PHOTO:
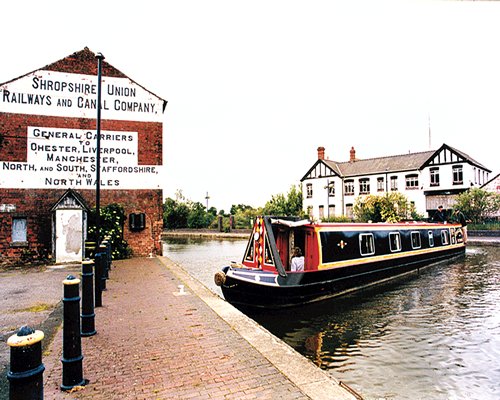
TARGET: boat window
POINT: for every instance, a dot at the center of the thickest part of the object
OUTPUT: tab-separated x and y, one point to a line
415	240
431	239
445	237
395	241
268	255
250	253
366	244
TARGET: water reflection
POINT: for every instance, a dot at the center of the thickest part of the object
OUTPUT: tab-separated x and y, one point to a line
432	335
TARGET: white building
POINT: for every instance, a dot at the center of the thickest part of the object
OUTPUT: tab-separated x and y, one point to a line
427	179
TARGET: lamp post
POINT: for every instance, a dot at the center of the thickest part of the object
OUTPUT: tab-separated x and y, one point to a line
99	57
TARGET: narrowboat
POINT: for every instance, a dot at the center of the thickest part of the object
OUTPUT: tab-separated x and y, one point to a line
338	258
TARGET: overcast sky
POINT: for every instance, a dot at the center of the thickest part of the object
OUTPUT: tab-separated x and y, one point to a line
254	87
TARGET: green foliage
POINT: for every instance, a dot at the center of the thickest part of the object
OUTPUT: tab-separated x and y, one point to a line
112	220
390	207
198	218
175	214
289	205
478	204
341	218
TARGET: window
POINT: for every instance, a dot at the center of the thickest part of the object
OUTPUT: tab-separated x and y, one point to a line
321	211
431	239
364	186
412	182
349	187
309	190
331	210
331	189
366	244
394	183
434	176
380	184
415	240
395	241
445	237
349	212
19	230
458	175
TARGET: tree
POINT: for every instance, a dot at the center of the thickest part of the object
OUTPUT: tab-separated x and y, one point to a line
478	204
175	214
289	205
390	207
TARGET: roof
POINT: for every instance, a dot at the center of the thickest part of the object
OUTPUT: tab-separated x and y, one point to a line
388	164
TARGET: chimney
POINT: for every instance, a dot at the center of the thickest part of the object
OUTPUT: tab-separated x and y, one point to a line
352	157
321	153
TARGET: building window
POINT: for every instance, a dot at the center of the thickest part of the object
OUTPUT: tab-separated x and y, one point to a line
321	212
309	190
394	183
458	175
331	189
364	186
349	212
411	181
331	210
19	230
349	188
434	176
380	184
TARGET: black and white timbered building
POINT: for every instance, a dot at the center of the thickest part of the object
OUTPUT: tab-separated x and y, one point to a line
427	179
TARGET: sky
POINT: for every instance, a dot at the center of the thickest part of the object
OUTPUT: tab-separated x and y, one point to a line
254	88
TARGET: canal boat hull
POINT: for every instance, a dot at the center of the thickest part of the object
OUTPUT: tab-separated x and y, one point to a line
256	283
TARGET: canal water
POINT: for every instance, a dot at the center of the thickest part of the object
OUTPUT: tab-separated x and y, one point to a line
432	335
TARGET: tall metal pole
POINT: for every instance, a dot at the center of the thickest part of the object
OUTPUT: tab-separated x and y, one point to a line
99	57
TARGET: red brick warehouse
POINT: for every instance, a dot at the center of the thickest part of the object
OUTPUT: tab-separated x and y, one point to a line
48	152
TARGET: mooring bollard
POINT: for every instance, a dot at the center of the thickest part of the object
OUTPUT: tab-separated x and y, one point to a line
72	358
26	369
110	251
98	280
88	315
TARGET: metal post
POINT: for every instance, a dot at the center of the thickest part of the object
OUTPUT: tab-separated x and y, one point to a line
88	315
98	279
26	369
99	57
72	358
104	265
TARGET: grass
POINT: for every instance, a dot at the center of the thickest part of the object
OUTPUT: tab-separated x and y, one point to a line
39	307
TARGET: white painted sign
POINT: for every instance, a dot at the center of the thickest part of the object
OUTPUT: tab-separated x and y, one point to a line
74	95
66	158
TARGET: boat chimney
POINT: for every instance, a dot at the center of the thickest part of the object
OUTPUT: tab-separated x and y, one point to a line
352	157
321	153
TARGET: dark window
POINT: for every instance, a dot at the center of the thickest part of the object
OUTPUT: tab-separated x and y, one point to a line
349	187
309	190
395	241
364	186
366	244
380	184
434	176
458	175
415	240
412	181
394	183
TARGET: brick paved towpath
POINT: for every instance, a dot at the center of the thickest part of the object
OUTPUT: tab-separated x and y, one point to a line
155	343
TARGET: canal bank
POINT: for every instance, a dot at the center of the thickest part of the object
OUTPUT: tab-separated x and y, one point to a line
156	340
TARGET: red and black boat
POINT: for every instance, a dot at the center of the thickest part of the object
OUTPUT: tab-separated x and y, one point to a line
338	258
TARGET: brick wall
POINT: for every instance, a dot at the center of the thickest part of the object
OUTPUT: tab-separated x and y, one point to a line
35	204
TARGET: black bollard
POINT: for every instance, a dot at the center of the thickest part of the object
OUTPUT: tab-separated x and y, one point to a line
103	248
110	251
26	369
98	280
72	358
88	315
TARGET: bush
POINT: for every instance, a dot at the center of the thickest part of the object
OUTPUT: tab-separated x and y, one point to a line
112	220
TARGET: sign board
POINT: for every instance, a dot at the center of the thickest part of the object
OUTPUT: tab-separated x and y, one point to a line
74	95
66	158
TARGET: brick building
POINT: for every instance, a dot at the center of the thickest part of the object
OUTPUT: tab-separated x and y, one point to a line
48	151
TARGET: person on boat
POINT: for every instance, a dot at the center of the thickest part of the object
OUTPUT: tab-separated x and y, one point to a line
440	215
297	260
460	218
